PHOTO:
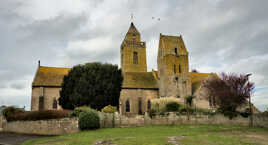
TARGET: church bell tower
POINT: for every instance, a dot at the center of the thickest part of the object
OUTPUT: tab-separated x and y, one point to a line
173	67
133	52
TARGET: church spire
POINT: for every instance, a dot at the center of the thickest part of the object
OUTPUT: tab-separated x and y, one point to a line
133	52
133	34
132	29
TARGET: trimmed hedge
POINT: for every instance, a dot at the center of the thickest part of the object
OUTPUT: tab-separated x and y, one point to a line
38	115
89	120
11	111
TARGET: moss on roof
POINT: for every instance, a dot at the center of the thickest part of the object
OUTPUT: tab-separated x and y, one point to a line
141	80
49	76
197	78
53	76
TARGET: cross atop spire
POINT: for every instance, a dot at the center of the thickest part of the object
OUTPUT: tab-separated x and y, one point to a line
132	17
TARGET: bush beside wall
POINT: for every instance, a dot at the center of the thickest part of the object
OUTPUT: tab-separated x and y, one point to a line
38	115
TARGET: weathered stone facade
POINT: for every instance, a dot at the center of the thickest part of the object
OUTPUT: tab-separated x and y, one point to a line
50	97
172	79
173	67
138	100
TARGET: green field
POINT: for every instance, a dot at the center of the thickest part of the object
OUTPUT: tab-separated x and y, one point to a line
163	135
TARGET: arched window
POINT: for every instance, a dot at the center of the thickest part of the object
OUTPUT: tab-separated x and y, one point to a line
55	104
175	68
41	102
149	105
179	68
135	57
176	51
140	107
127	106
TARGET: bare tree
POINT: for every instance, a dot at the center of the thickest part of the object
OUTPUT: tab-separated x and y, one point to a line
228	92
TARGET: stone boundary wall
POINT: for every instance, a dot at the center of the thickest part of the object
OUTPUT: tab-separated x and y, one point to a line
43	127
1	122
70	125
116	120
173	119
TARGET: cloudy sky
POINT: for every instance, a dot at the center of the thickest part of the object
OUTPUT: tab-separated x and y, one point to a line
229	36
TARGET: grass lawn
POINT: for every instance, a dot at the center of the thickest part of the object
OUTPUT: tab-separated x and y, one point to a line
163	135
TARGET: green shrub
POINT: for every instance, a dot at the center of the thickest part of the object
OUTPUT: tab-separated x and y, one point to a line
172	107
109	109
38	115
185	110
159	104
78	110
228	112
11	111
89	120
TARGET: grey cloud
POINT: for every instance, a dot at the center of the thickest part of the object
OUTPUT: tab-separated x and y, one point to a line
17	86
220	35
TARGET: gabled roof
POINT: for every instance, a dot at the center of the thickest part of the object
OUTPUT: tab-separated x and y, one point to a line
53	77
197	79
49	76
139	80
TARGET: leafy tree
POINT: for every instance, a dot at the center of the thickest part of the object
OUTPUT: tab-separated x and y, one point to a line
93	84
228	92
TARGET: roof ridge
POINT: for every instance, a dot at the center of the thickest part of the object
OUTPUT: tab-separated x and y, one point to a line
55	67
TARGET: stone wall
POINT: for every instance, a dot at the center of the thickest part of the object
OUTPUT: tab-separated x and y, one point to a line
174	119
67	125
1	122
43	127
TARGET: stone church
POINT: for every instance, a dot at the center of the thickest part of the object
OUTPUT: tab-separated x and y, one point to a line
171	79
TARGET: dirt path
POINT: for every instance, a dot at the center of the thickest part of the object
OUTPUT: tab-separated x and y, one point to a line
15	139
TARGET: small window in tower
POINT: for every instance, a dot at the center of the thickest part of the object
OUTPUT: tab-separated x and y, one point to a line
135	58
127	106
41	102
179	68
176	51
174	68
55	104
